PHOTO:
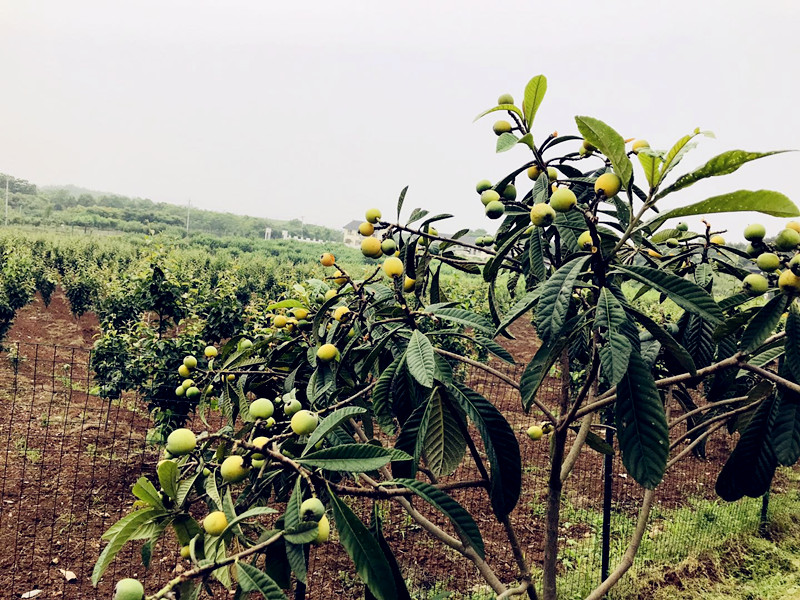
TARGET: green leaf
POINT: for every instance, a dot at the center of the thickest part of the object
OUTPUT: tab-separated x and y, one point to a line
363	549
763	201
252	579
290	303
534	94
302	533
381	397
419	359
723	164
505	107
500	443
641	424
123	534
210	485
443	444
495	349
352	458
686	294
505	142
678	151
650	163
522	306
397	575
463	317
610	143
763	324
112	531
253	512
451	509
786	431
536	255
751	466
168	477
184	487
551	311
332	422
147	492
792	341
400	201
598	444
677	351
611	318
295	554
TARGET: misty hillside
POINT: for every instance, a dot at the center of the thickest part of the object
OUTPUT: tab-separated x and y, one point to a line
70	205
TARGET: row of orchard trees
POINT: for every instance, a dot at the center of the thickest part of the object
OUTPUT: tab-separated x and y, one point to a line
307	401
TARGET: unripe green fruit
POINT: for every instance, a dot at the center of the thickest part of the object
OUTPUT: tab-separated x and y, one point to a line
788	239
608	185
292	407
262	408
563	199
312	510
585	241
682	226
181	441
505	99
323	531
483	185
270	422
193	393
373	215
210	352
789	283
794	264
190	362
244	344
388	247
183	371
186	552
510	193
501	127
755	284
304	422
542	215
327	352
533	172
752	251
233	470
259	442
215	523
673	242
768	261
535	432
187	383
489	196
552	173
587	147
180	391
495	210
755	232
128	589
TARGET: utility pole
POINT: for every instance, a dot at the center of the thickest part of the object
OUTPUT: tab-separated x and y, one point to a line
6	221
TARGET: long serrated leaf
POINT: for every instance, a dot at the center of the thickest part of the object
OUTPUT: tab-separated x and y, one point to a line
678	151
786	431
330	423
381	397
651	164
686	294
364	550
397	574
451	509
112	531
147	492
763	324
610	143
792	341
536	255
122	536
641	424
523	305
763	201
419	358
463	317
400	201
167	472
506	107
505	142
210	485
352	458
722	164
252	579
677	351
495	349
295	554
501	446
610	317
443	444
551	310
534	94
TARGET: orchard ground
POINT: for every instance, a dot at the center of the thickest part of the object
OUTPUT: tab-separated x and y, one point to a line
72	459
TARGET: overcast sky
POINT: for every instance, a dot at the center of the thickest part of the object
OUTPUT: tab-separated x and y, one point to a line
320	109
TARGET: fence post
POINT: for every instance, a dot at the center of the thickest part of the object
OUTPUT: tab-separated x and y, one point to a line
608	475
764	521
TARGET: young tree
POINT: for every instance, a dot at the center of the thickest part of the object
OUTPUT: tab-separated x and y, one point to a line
359	378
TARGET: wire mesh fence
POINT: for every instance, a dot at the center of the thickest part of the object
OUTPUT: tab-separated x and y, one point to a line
69	459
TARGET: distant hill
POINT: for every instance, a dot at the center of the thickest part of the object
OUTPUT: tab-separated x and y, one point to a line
71	205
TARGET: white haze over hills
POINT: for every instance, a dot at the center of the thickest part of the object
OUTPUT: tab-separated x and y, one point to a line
319	110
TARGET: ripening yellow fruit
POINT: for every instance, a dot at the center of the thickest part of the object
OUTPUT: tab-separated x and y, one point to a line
535	432
323	530
300	312
608	185
585	241
215	523
563	199
181	441
552	173
341	313
638	145
717	240
789	283
329	294
371	247
233	470
327	259
533	172
327	352
280	321
210	352
393	266
409	284
542	215
183	371
339	278
366	228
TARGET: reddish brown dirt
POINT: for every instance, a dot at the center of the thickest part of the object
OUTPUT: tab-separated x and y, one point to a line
71	458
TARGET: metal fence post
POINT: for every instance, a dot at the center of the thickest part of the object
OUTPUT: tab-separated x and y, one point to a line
608	474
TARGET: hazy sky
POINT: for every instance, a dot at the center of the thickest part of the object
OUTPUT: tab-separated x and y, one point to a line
320	109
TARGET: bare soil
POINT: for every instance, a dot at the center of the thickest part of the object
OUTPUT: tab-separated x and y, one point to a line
69	460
